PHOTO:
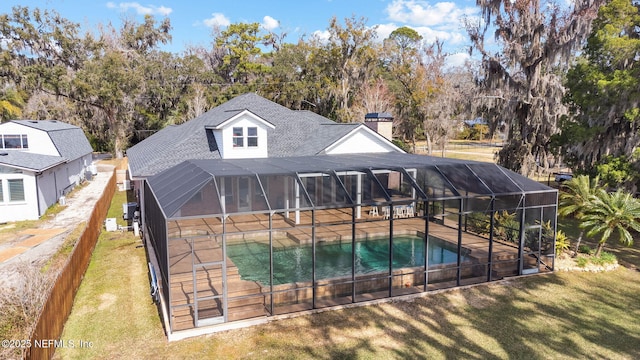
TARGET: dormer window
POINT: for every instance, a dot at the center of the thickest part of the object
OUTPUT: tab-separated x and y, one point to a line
13	142
238	137
252	137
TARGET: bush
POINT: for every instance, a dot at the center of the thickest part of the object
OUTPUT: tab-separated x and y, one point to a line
562	242
402	145
20	306
585	249
604	259
582	261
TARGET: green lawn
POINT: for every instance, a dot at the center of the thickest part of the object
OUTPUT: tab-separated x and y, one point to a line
561	315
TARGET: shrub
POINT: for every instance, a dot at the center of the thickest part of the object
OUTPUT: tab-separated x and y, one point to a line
478	222
21	305
562	242
582	261
604	258
585	249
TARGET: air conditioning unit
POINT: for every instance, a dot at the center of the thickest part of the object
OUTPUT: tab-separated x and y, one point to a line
129	210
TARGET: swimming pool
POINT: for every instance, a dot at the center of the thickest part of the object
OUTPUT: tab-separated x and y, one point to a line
334	259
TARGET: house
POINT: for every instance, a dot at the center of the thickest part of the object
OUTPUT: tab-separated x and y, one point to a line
249	127
40	161
252	212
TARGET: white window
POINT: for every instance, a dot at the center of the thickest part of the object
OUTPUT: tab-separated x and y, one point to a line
16	189
14	142
238	137
252	137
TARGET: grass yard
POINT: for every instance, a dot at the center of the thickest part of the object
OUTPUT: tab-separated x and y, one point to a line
560	315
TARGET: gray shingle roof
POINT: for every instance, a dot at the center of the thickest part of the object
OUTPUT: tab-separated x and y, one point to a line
46	125
296	133
69	140
27	160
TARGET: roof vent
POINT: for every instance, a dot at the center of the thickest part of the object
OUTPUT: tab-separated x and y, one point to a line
4	153
53	121
33	121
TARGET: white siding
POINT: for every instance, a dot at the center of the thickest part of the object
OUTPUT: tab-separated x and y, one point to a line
224	138
47	192
19	210
362	140
39	141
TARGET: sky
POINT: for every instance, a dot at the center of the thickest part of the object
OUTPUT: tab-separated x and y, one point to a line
193	21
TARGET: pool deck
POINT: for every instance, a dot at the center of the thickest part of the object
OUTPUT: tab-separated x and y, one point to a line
248	299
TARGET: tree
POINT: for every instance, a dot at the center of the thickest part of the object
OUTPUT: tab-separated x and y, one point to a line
450	104
537	41
578	197
241	54
109	86
612	212
11	103
347	60
604	96
409	81
294	76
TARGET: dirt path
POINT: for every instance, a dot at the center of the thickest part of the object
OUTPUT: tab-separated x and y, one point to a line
35	246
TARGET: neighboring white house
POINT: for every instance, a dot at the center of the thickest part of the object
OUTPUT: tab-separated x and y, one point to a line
40	161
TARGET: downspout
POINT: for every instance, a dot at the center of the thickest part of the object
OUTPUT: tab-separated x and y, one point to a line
38	194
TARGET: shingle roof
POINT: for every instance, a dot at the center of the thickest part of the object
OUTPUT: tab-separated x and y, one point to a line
27	160
69	140
46	125
291	136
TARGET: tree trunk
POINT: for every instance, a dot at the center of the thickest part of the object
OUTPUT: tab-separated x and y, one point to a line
578	243
599	249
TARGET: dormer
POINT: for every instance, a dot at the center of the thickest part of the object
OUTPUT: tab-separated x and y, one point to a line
242	136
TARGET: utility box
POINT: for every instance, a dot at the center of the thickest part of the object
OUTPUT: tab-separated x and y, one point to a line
110	224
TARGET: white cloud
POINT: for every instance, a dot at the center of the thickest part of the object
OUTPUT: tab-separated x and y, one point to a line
322	35
270	23
428	34
141	10
384	30
423	13
457	59
217	19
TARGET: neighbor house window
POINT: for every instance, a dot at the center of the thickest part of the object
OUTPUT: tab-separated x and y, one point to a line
252	137
238	137
14	142
16	189
1	194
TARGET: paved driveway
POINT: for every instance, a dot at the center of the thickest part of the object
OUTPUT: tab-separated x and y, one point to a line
35	246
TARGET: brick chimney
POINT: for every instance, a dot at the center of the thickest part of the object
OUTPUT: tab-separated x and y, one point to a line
382	123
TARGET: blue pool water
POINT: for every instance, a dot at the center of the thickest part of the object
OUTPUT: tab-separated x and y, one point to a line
293	264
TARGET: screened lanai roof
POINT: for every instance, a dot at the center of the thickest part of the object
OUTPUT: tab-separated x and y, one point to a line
431	178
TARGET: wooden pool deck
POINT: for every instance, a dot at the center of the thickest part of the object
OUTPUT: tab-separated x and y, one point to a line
198	241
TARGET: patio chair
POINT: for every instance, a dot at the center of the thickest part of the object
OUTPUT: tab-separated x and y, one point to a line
385	212
374	211
409	212
398	212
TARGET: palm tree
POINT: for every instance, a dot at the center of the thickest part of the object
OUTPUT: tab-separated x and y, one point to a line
579	196
612	212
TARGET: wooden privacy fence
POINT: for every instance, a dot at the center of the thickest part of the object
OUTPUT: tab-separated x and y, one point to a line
45	336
